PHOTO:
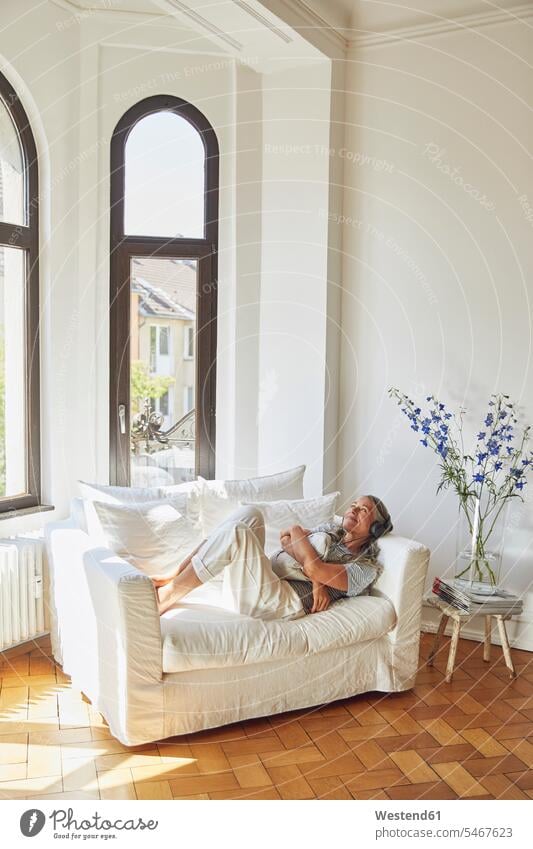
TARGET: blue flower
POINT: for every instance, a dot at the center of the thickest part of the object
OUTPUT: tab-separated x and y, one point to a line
489	420
481	458
418	411
479	477
520	484
481	435
424	442
498	465
503	415
447	415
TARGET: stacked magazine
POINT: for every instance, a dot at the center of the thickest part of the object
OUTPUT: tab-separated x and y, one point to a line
477	597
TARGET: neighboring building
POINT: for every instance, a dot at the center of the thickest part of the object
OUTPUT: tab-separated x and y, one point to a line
163	300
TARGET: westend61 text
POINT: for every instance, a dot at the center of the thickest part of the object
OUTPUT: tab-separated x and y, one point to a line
407	815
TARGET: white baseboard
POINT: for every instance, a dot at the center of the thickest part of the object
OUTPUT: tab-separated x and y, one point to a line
519	628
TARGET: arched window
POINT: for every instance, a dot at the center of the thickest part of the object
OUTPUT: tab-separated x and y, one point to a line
20	465
163	290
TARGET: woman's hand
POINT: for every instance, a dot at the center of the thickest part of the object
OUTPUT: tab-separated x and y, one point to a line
285	541
321	599
302	550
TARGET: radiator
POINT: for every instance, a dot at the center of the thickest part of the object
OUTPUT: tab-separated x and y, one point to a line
23	613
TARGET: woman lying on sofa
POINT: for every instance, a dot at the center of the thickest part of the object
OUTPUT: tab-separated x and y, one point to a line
346	565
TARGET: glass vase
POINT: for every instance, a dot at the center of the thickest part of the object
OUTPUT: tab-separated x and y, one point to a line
480	541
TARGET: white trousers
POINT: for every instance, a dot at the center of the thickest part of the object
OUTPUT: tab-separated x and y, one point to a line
249	586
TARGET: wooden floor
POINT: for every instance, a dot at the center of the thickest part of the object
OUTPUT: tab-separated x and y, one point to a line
472	738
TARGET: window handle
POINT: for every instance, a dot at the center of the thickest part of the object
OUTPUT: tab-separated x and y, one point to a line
122	417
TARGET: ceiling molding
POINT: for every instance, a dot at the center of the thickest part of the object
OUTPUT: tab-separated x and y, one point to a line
301	17
295	14
264	21
419	31
202	22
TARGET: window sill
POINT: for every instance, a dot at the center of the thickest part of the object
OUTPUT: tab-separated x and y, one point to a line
26	511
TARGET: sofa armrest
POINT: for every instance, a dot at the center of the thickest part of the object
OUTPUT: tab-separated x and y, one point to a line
405	564
108	632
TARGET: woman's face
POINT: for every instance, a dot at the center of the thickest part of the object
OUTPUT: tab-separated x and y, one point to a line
359	517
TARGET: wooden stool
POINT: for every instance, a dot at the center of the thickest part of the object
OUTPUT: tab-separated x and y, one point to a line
459	617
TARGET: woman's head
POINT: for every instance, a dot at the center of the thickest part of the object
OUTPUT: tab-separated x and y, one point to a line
367	517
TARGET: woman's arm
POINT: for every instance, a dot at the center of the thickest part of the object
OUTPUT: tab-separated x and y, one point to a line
354	579
331	574
317	570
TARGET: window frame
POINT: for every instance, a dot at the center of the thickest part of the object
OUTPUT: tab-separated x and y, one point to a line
123	248
26	237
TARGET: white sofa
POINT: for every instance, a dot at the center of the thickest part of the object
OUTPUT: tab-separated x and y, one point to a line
200	666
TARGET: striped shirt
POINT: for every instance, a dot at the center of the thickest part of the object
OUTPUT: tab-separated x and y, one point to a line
361	569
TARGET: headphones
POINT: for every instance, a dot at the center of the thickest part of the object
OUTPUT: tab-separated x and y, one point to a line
377	529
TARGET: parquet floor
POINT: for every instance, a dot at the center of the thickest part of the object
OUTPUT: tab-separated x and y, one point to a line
472	738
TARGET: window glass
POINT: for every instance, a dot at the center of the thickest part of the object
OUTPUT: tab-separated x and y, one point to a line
164	336
11	171
12	373
162	289
164	178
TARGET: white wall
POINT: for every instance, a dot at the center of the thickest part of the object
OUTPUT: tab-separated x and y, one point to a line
49	92
296	171
438	263
77	80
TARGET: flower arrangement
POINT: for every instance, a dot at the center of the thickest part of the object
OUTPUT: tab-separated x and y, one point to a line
484	480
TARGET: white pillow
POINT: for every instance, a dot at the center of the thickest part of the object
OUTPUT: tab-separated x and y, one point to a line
279	515
152	535
222	497
116	494
193	492
187	494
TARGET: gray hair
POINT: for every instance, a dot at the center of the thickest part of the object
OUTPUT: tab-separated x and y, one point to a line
382	514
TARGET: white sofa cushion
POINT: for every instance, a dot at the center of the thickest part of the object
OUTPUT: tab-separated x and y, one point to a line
222	497
307	512
154	536
200	634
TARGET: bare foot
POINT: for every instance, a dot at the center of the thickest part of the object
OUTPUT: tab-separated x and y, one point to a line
170	593
161	580
165	597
